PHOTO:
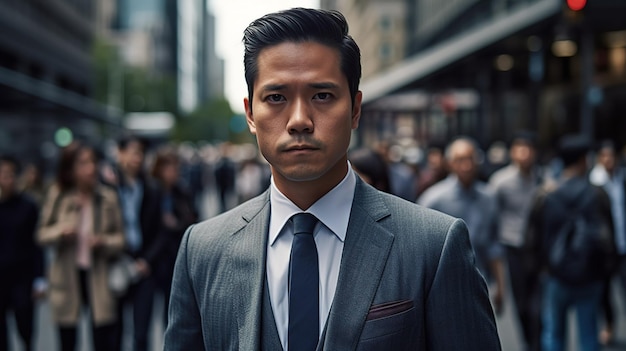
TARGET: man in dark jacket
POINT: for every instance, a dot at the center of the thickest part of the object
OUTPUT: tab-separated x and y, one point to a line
556	220
21	261
141	211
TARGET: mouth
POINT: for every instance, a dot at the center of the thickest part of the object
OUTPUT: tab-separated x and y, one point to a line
300	148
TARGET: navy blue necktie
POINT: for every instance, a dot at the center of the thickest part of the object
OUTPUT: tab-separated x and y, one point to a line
303	286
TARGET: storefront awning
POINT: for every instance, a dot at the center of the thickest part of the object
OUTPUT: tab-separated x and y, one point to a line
446	53
61	97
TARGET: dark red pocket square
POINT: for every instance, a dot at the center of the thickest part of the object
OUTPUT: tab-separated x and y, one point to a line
389	309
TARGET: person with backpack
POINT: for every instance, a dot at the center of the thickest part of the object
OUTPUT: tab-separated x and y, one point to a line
572	230
608	174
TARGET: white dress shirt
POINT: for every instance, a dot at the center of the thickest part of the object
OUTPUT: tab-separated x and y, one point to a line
333	213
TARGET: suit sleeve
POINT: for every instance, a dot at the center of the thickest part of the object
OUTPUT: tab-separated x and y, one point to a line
184	328
458	312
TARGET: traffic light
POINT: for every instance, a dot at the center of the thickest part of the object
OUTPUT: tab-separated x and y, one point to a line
576	5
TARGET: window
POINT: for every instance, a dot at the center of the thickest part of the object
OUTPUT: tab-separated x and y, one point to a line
386	51
386	23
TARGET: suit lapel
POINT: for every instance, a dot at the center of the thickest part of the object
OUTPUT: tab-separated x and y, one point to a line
248	252
365	253
270	340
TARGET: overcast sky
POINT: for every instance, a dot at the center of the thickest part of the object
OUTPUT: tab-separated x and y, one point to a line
232	17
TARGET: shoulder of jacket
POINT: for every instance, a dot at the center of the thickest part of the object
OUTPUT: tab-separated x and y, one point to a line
107	192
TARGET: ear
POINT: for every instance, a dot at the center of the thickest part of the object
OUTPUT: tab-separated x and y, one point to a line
247	104
356	109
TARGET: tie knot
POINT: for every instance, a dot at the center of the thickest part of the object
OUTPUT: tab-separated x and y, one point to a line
304	223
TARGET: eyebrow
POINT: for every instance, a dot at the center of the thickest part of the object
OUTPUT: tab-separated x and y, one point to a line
324	85
321	85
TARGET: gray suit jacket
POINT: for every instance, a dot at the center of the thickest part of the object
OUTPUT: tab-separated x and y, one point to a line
407	282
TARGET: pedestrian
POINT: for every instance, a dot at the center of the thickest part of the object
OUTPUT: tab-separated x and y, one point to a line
21	260
607	174
32	183
225	175
321	259
402	177
81	223
573	233
435	171
178	213
144	238
514	187
462	195
250	180
371	167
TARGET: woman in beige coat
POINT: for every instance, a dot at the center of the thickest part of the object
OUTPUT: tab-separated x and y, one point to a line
81	223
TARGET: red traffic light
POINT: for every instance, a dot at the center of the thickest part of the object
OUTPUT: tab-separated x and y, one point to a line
576	5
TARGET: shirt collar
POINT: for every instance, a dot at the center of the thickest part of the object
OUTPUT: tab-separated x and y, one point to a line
332	210
460	189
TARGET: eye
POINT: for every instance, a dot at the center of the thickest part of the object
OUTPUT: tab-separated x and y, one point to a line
273	98
322	96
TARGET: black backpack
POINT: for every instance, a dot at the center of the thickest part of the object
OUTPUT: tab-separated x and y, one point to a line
583	249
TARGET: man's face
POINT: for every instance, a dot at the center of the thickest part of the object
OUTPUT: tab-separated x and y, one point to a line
131	157
302	113
8	178
436	160
523	154
606	157
463	162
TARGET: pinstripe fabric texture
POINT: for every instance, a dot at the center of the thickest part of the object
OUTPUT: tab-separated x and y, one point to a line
395	251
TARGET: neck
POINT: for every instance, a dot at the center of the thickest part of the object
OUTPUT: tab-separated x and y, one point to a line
466	186
525	171
305	193
167	186
85	190
573	172
5	194
129	176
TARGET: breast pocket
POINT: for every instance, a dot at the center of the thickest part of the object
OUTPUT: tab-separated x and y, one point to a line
391	326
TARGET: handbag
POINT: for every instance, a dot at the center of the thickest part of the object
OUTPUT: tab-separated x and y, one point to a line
122	274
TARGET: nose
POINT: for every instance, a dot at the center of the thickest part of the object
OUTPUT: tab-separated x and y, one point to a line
300	120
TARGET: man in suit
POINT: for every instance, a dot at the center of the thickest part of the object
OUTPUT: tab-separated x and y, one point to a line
321	260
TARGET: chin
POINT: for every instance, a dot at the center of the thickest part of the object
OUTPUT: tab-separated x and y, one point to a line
301	173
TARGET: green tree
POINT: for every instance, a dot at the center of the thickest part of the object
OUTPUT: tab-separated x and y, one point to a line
211	122
132	89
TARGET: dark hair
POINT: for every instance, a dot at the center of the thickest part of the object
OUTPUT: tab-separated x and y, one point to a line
123	142
371	164
524	137
164	157
65	167
606	144
573	148
12	161
298	25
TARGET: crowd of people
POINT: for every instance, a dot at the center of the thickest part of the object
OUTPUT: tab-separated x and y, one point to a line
92	215
557	229
60	241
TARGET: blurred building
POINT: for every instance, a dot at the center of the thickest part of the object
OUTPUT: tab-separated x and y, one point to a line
146	35
175	38
200	71
46	78
489	67
379	27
